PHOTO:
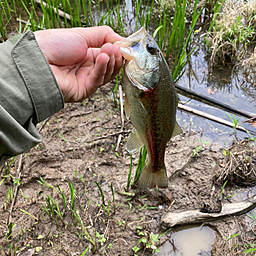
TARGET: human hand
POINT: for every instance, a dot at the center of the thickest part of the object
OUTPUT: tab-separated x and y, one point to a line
78	64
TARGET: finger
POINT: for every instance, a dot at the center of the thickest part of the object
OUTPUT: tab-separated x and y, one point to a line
97	75
109	49
118	61
97	36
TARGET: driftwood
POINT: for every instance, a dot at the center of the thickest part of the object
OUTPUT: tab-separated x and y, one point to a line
213	118
195	216
60	12
207	100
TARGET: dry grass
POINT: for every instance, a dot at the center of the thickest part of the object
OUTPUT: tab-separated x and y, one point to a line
240	166
234	28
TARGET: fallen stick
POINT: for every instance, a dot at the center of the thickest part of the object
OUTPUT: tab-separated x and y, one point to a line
122	115
207	100
249	120
109	135
195	216
213	118
60	12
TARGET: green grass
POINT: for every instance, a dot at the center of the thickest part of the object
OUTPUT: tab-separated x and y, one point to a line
230	31
65	206
251	247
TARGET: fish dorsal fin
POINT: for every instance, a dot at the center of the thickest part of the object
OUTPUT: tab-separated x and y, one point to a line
134	142
177	130
127	108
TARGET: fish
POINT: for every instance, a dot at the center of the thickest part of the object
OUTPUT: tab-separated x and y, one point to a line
150	103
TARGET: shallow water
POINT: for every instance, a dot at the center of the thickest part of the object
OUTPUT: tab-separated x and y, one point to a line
189	241
223	84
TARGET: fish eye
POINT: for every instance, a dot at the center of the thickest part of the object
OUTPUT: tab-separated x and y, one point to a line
151	48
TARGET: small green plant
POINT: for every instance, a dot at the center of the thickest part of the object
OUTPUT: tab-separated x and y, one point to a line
222	188
101	238
234	122
107	207
31	215
9	233
141	164
251	248
197	150
147	241
56	211
10	252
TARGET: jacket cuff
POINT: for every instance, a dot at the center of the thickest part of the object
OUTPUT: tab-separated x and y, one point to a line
41	84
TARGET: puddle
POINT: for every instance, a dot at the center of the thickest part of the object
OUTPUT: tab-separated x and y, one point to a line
189	242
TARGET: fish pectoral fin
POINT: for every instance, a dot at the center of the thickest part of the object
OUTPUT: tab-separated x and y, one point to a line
127	108
177	130
134	143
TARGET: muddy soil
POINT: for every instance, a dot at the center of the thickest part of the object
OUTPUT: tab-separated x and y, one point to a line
80	147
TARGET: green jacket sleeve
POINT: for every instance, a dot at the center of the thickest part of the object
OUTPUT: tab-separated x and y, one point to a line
28	94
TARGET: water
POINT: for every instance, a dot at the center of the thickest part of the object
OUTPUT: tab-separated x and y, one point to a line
191	241
223	84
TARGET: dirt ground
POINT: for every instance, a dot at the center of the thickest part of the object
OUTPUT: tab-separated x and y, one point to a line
79	147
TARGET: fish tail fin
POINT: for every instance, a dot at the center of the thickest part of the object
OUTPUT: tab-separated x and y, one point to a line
151	179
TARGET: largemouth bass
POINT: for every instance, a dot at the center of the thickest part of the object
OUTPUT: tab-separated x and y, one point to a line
150	103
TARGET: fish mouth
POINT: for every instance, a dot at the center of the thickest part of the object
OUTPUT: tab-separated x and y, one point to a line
127	44
127	47
127	51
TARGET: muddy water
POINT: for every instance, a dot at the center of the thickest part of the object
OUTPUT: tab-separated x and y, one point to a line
189	241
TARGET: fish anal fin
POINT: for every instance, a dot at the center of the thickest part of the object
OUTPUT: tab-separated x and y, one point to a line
150	179
134	143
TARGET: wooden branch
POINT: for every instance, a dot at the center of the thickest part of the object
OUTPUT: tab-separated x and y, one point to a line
249	120
109	135
121	104
195	216
207	100
61	13
213	118
122	115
